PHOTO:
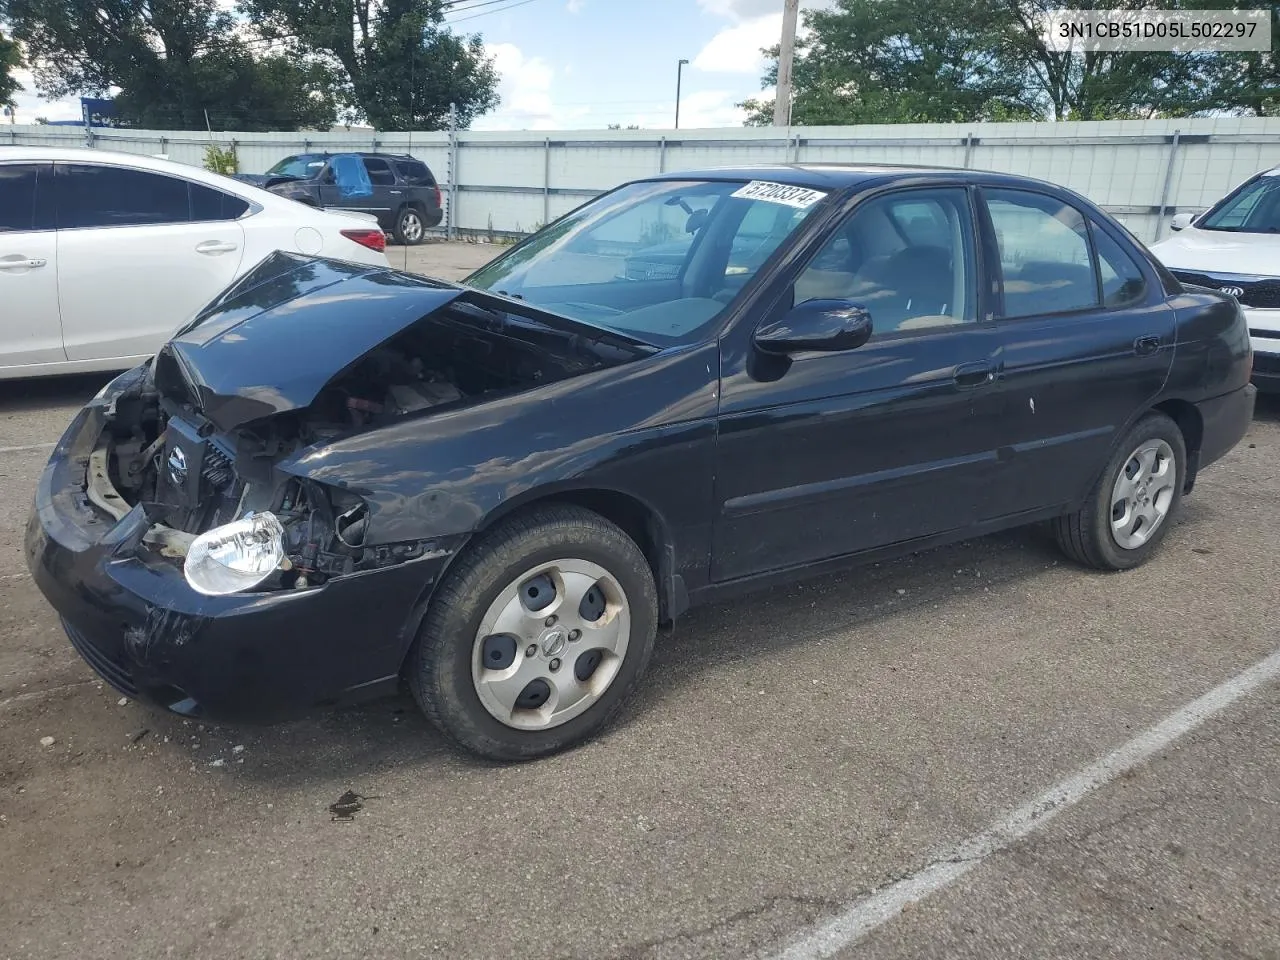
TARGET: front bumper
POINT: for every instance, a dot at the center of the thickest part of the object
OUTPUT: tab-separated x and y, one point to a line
252	656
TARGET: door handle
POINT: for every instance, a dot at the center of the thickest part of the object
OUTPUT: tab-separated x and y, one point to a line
971	375
1146	346
23	264
213	248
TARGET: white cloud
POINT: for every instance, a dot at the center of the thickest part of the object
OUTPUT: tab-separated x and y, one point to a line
573	6
740	9
524	85
737	49
30	105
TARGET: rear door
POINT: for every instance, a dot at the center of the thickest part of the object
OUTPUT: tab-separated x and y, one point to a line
1087	342
30	328
139	253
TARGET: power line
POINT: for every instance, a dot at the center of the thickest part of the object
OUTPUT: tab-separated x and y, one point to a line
518	3
456	6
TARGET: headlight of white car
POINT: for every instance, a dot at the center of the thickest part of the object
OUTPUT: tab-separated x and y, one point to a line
235	556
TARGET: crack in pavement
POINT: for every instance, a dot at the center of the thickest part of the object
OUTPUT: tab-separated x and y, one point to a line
639	950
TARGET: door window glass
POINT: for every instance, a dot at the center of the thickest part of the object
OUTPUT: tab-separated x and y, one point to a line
1122	280
1044	254
906	257
380	172
209	204
18	189
100	196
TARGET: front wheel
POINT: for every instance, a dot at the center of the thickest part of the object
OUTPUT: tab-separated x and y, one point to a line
537	636
411	229
1131	506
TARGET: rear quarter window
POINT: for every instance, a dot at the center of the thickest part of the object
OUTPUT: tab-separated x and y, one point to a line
415	172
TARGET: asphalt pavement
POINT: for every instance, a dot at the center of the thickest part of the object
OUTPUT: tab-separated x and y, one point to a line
789	755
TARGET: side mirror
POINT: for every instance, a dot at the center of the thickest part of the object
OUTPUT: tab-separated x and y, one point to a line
824	326
1181	221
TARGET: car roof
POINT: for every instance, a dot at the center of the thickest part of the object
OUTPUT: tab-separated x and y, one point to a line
139	161
838	176
355	153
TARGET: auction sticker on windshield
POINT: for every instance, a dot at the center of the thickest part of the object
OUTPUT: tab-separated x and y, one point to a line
799	197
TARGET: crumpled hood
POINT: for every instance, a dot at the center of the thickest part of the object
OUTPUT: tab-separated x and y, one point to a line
1221	251
272	341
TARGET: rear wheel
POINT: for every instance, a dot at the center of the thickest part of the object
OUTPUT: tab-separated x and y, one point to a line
537	636
1131	506
411	228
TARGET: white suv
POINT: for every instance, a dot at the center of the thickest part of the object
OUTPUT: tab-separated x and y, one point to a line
104	255
1235	247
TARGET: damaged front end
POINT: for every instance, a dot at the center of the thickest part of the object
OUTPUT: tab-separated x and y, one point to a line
191	562
200	439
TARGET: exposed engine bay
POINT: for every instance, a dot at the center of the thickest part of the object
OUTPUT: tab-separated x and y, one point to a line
161	451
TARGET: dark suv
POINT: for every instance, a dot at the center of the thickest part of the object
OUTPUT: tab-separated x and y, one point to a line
399	190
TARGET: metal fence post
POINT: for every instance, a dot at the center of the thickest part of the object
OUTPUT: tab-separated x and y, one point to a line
546	181
662	155
1168	183
451	218
968	148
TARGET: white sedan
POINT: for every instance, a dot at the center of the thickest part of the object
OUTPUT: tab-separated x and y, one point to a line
104	255
1235	247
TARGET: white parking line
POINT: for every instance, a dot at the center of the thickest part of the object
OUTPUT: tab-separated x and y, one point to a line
864	916
28	446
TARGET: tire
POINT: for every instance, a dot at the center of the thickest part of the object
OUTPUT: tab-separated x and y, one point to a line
411	226
1090	537
447	666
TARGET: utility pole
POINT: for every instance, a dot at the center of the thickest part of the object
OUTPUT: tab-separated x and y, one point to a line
679	70
786	55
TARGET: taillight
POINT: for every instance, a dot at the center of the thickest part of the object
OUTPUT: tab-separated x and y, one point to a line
439	197
373	239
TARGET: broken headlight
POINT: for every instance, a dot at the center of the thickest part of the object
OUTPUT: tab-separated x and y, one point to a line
235	556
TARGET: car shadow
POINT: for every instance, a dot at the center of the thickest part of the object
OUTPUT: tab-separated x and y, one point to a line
1267	408
359	744
38	393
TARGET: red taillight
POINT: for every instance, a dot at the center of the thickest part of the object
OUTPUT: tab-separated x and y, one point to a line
373	239
439	197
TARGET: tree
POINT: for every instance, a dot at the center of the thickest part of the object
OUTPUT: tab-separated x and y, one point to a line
174	62
402	66
889	61
10	60
902	61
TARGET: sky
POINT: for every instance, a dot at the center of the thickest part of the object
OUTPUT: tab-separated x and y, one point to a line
584	64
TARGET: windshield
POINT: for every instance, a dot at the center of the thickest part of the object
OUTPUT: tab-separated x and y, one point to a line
656	261
1254	208
304	167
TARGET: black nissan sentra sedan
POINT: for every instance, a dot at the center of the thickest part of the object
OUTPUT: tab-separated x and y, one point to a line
336	478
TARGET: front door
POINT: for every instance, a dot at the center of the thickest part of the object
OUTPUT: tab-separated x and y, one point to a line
30	327
132	264
1088	341
838	453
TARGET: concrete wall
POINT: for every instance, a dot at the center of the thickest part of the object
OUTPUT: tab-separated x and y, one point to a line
1142	171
